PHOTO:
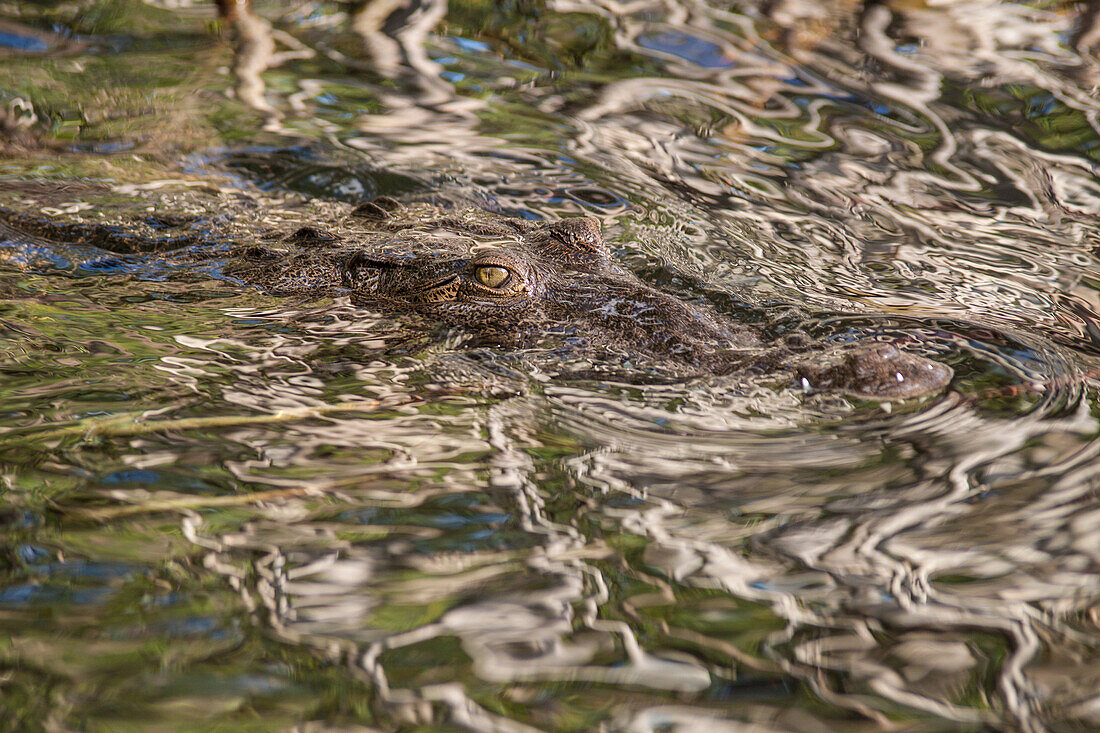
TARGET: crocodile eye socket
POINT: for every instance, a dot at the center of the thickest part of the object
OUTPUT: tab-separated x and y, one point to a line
492	276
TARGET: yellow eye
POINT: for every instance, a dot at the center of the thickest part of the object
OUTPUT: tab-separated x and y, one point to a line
491	276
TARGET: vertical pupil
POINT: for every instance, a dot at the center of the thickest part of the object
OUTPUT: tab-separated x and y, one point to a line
492	276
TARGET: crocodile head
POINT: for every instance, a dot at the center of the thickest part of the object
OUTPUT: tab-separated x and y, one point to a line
509	280
514	282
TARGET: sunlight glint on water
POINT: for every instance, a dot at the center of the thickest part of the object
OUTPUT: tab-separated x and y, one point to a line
223	508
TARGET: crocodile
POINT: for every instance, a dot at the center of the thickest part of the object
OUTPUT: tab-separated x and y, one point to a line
510	282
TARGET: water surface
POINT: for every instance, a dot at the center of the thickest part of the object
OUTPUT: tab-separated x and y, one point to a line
226	509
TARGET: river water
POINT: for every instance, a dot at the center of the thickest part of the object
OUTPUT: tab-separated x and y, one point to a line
224	510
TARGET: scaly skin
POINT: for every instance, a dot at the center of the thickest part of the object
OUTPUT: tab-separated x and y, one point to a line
511	281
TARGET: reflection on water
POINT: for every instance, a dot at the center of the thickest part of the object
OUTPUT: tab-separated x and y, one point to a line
222	508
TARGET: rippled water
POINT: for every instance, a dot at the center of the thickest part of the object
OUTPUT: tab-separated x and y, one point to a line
226	509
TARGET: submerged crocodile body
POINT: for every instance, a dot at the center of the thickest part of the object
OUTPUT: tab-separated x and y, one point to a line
510	281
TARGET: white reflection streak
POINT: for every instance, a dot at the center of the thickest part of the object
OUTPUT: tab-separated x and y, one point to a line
643	669
875	552
910	584
874	41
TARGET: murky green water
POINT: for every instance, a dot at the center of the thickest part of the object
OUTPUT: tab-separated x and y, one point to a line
225	510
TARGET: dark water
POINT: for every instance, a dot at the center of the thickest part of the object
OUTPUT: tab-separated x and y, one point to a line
225	510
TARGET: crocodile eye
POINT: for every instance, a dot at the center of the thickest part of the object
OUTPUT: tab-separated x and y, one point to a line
492	276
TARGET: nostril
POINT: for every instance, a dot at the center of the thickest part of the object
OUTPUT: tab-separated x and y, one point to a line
312	236
370	211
